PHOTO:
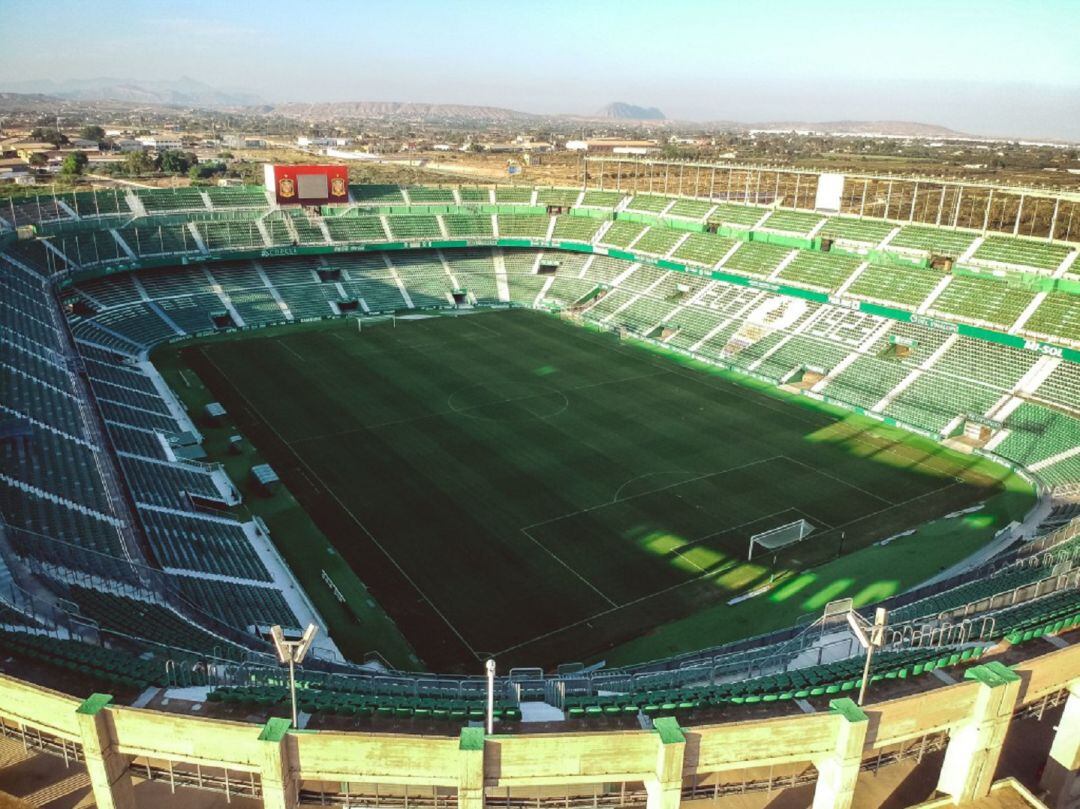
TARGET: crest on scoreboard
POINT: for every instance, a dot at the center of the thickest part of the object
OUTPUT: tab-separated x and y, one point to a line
287	187
337	187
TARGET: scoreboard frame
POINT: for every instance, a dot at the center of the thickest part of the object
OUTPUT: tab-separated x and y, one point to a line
286	182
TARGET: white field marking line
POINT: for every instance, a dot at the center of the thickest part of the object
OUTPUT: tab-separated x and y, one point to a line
790	410
400	347
839	480
733	389
291	350
559	559
464	411
349	511
588	509
811	519
618	491
695	542
458	411
712	573
783	408
896	505
886	446
481	326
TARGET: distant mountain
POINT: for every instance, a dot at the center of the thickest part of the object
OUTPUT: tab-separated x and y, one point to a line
394	110
182	92
28	102
629	112
96	96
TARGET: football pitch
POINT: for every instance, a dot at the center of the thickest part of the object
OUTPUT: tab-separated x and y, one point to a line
510	484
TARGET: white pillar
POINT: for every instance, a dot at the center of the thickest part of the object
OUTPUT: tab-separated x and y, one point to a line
839	770
975	743
1061	778
470	793
108	768
275	771
664	791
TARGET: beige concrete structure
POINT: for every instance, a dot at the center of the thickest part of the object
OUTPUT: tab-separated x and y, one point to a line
1061	779
276	761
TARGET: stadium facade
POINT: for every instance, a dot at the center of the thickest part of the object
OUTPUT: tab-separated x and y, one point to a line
948	309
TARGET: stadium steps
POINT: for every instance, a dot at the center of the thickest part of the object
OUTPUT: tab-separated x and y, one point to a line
502	284
135	203
851	279
123	245
935	293
197	238
397	279
268	240
273	291
910	379
223	296
1025	316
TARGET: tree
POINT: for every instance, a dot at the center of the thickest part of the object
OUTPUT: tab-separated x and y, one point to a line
38	159
92	132
204	171
174	162
139	163
74	164
48	134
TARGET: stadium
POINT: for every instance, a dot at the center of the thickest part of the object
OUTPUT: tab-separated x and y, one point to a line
662	445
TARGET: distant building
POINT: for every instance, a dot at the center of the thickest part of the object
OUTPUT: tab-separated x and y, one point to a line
305	142
613	146
13	168
517	146
25	149
129	145
341	154
162	143
244	142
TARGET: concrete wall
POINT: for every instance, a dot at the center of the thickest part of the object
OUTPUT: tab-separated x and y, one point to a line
975	713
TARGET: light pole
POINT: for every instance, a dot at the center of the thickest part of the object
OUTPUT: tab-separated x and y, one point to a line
868	641
292	652
489	666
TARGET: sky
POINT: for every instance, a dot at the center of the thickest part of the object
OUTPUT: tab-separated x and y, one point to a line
993	67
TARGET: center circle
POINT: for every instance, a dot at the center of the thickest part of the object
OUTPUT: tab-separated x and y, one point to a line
507	400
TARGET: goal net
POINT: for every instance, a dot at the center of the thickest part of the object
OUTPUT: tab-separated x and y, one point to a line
780	537
374	320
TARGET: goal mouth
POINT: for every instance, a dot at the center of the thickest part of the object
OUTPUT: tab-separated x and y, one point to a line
782	536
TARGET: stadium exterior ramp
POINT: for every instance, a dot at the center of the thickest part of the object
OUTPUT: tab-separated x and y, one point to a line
658	768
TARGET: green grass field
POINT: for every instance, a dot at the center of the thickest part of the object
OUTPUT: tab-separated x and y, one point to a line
510	484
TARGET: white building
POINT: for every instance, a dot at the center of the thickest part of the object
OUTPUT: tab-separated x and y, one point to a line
162	143
305	142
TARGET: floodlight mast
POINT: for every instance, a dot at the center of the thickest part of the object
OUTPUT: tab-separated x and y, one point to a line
872	641
489	666
293	652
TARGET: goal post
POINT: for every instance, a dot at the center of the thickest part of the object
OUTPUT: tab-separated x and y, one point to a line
780	537
372	320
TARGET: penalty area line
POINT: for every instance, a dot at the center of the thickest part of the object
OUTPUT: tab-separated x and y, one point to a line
559	559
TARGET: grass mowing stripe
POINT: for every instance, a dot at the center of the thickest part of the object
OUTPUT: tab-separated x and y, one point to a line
440	493
356	520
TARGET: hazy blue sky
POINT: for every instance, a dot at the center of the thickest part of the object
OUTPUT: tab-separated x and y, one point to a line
993	66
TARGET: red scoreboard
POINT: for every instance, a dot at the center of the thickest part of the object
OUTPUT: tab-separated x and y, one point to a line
307	185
